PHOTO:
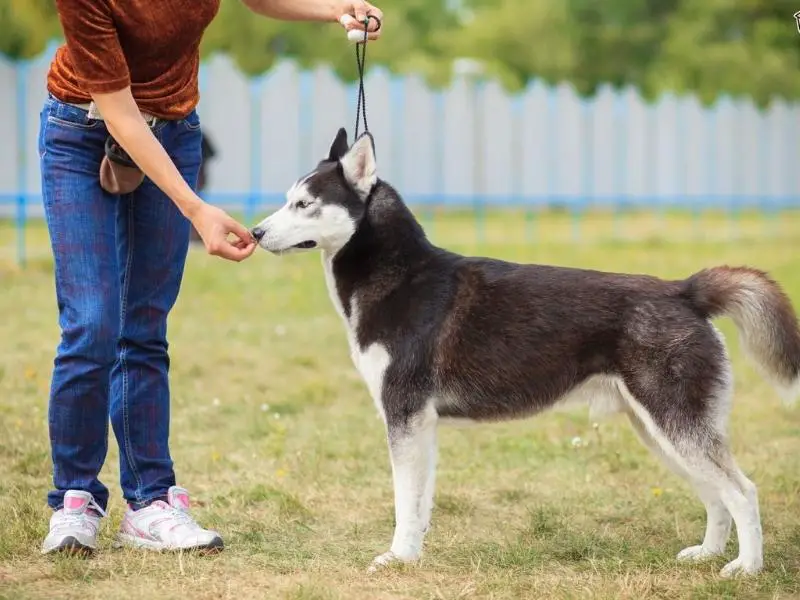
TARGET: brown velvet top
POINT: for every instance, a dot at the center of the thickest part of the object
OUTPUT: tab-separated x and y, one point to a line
150	45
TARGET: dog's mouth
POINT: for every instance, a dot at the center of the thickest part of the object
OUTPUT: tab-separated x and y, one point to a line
305	245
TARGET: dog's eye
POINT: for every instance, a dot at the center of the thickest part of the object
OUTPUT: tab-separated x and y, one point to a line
301	204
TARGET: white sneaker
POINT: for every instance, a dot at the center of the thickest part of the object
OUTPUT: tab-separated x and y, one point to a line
74	527
166	526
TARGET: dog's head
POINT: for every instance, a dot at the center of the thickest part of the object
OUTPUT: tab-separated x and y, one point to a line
323	209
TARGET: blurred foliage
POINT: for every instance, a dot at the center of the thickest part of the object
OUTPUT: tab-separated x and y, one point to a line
707	47
26	26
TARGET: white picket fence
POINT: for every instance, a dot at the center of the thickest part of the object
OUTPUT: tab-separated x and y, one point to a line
470	143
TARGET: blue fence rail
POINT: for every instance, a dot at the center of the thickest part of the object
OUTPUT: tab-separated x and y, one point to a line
469	145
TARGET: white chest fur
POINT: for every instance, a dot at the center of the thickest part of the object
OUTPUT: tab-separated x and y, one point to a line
371	361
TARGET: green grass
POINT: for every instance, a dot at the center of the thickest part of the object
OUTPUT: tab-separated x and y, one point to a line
276	437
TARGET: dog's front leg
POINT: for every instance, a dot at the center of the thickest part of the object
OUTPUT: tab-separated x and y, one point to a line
426	505
412	448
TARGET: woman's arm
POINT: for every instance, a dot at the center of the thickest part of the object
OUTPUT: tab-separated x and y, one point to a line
301	10
320	10
126	125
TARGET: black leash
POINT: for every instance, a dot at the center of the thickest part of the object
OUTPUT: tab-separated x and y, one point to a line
361	108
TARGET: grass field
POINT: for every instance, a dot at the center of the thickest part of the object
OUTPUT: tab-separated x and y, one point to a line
274	434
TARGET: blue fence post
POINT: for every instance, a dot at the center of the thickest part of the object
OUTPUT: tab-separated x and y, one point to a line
787	151
653	150
397	96
773	201
552	146
479	161
680	149
620	162
438	175
253	196
305	118
793	157
711	166
518	168
22	69
738	172
763	165
587	171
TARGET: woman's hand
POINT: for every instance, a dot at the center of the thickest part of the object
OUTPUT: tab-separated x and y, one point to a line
353	13
214	225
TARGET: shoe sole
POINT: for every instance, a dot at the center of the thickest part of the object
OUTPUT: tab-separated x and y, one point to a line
70	545
128	541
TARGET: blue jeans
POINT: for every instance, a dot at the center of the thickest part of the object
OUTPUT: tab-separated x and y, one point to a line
118	264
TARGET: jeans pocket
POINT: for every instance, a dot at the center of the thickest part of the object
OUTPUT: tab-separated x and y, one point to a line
191	122
71	116
68	115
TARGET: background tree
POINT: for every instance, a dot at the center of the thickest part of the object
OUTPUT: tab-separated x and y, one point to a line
26	26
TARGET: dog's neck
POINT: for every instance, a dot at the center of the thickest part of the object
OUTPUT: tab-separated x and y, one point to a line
388	244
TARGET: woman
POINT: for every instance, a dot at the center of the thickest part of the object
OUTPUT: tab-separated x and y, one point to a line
123	91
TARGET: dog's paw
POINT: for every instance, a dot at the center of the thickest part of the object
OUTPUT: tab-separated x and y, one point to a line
388	558
740	568
381	561
696	554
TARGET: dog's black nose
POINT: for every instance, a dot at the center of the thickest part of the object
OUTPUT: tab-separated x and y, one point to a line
257	233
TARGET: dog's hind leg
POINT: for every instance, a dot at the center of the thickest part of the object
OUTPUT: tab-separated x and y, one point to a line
700	453
718	519
412	447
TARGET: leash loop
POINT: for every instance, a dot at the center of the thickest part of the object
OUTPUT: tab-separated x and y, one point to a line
361	107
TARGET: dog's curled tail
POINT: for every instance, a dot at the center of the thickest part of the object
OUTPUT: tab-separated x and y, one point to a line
763	314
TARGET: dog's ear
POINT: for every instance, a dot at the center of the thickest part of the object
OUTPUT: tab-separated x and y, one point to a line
339	145
359	167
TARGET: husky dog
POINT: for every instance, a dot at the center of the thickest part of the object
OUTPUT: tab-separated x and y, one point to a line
436	335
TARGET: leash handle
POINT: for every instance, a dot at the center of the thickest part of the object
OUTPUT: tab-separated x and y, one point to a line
361	107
